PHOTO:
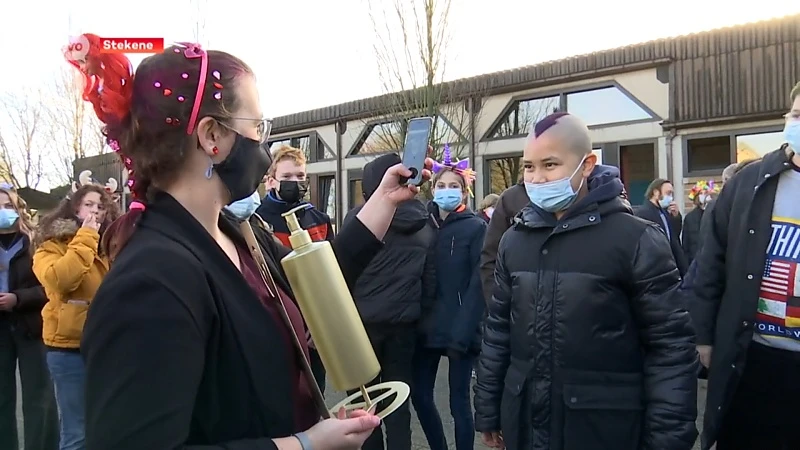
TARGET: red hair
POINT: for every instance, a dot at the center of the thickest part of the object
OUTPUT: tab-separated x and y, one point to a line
146	113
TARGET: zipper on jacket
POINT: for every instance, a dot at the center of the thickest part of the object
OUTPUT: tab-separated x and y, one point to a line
435	223
452	244
459	299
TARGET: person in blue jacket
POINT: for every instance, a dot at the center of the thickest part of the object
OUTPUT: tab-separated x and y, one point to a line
450	326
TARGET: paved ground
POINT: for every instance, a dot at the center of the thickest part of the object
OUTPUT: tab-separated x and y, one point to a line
418	437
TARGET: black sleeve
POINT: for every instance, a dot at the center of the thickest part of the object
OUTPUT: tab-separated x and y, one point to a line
689	237
677	253
355	246
670	367
144	349
29	292
705	225
710	281
467	320
498	225
676	223
429	276
495	354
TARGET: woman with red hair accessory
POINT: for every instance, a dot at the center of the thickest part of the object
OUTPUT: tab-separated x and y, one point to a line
185	345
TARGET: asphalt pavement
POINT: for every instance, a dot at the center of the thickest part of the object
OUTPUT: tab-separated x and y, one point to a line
418	438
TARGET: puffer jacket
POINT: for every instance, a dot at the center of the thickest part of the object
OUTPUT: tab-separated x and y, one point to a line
70	270
587	344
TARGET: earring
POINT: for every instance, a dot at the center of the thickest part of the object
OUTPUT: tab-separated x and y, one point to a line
215	150
210	168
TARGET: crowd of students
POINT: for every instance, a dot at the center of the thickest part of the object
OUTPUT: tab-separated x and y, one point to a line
162	328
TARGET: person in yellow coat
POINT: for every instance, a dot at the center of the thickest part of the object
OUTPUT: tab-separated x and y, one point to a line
70	267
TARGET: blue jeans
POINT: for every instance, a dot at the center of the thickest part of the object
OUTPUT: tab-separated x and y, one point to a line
69	376
426	366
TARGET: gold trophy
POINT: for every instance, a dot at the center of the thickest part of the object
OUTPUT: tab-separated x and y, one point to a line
334	322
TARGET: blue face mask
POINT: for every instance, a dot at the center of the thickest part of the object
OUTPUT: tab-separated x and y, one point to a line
554	196
8	217
245	207
447	199
791	133
664	202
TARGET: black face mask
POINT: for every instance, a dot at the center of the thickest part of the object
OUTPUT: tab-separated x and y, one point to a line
292	191
242	170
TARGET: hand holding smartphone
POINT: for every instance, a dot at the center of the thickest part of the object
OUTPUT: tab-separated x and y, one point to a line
416	148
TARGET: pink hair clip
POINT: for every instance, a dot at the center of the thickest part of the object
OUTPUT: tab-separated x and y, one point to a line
137	205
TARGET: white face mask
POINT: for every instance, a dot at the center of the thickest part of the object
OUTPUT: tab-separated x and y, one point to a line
489	211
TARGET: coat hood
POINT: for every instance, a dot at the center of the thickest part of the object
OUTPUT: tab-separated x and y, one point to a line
410	217
59	230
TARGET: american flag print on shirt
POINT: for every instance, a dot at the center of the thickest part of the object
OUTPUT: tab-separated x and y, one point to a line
778	314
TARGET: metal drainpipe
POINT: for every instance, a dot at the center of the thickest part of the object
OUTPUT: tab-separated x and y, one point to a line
338	179
673	133
472	146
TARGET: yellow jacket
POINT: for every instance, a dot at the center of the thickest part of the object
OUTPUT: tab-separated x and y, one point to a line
70	270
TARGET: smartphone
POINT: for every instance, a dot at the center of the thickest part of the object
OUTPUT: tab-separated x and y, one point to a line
416	147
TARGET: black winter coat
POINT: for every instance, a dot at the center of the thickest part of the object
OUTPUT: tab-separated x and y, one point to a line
180	352
729	272
401	278
651	212
27	314
587	345
691	238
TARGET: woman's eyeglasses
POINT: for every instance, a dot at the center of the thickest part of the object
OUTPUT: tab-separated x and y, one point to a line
264	127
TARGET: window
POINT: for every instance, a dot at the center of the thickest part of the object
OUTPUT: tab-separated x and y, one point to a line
326	199
356	193
754	146
390	136
504	173
301	142
599	153
443	133
382	138
712	154
323	151
605	106
524	114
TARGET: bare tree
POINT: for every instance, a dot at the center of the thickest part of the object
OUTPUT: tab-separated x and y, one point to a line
77	133
412	38
199	9
25	134
506	172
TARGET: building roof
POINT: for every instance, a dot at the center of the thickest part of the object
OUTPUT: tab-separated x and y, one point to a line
703	45
39	200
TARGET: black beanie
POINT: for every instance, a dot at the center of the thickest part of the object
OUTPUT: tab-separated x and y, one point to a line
374	172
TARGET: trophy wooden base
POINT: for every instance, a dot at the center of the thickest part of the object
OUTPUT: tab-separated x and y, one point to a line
361	400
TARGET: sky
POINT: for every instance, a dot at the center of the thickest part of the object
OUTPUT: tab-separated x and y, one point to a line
308	54
313	53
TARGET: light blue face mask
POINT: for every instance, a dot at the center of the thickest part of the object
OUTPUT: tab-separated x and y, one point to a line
791	133
245	207
8	217
447	199
664	202
554	196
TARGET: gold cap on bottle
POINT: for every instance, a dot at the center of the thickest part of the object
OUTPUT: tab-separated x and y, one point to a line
298	237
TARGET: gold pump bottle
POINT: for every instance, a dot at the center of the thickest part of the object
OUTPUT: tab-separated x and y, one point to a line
328	308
